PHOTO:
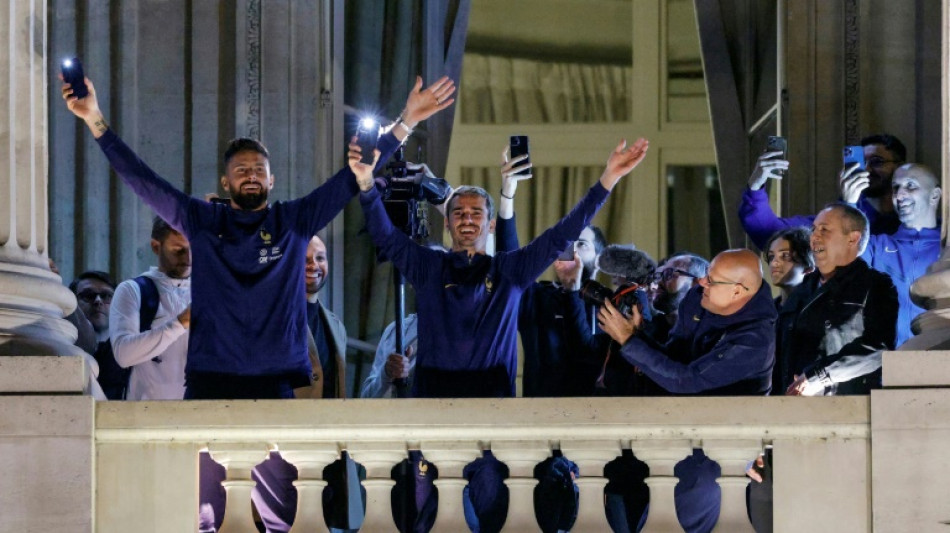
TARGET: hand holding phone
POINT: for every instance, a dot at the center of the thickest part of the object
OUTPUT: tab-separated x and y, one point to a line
854	178
74	76
777	144
770	165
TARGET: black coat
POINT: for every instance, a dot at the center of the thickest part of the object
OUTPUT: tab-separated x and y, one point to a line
830	330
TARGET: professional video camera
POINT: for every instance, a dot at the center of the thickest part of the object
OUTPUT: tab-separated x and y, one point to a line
624	298
406	190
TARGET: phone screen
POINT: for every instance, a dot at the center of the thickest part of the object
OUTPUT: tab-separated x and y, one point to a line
367	135
518	146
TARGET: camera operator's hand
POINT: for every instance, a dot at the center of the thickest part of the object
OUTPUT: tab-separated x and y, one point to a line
851	183
423	103
768	166
362	171
86	108
623	160
619	327
568	273
397	365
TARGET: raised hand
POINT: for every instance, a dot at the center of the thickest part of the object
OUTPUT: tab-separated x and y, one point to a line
769	165
362	171
423	103
623	160
851	183
86	108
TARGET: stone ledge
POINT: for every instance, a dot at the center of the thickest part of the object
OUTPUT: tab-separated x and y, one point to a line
44	375
916	369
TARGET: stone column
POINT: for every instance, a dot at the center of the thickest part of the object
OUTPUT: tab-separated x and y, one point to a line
450	457
521	458
378	458
33	300
310	460
661	456
238	459
733	456
932	292
591	456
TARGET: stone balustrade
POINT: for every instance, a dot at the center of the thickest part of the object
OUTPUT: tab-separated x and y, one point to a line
146	450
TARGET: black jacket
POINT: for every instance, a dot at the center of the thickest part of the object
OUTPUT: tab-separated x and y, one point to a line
829	331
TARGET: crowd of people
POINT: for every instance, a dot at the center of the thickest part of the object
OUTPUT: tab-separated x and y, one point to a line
231	311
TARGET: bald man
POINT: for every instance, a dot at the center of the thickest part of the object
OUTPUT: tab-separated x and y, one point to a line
723	342
906	254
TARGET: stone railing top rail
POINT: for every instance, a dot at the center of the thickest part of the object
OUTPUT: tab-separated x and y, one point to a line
485	420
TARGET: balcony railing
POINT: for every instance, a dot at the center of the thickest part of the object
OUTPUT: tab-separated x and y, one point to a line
72	464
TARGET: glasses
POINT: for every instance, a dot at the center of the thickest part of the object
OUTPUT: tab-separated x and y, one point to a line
90	296
709	281
878	162
668	274
785	257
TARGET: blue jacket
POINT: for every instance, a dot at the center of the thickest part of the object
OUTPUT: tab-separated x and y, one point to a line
759	221
248	314
712	354
904	256
468	306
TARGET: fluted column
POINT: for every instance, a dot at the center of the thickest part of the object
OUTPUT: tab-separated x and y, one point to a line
521	458
33	300
450	457
378	458
661	456
591	456
238	459
733	456
310	460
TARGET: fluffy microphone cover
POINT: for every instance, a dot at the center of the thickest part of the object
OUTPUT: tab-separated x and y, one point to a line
627	262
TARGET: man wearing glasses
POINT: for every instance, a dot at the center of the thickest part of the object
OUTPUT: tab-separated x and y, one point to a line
723	342
94	290
869	190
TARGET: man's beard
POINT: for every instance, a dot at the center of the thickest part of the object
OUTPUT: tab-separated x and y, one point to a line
250	201
314	288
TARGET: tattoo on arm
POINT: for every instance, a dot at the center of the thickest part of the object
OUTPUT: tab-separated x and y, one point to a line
100	125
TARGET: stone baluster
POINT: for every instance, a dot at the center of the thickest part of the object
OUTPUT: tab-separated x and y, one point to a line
932	292
310	460
521	458
450	458
238	459
378	458
661	456
733	456
591	456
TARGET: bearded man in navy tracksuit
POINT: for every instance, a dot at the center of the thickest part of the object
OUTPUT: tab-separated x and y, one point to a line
248	319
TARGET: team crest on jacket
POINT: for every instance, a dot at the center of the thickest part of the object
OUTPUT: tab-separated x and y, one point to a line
488	283
265	237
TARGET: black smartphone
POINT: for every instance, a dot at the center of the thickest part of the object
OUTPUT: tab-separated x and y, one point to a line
777	144
568	253
73	75
854	154
366	137
518	146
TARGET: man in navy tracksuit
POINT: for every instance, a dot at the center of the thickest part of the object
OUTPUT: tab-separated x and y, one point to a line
467	302
906	254
248	317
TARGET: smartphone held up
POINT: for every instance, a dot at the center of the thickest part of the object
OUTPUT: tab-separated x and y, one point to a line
518	146
74	76
777	144
852	155
367	135
568	253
